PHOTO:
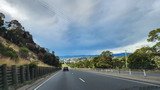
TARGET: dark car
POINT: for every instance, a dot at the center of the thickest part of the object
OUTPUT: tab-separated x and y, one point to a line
65	69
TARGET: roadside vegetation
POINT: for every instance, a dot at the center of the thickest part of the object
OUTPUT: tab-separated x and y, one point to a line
143	58
7	52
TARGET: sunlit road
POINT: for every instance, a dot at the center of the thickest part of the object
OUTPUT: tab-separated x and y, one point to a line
80	80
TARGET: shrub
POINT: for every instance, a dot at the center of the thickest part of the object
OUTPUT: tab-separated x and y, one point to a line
24	52
8	52
33	65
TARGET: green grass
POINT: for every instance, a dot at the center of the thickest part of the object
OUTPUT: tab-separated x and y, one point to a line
8	52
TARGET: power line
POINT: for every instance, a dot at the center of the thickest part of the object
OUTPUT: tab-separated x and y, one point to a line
54	10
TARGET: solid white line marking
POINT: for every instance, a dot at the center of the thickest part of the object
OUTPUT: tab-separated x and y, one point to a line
131	80
45	81
142	82
81	79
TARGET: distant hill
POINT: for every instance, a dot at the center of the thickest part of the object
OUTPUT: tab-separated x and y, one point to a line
82	56
77	56
120	54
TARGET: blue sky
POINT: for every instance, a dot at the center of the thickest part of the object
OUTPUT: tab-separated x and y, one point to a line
81	27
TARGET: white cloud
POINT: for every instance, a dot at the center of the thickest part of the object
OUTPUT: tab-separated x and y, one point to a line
12	11
129	48
74	10
74	26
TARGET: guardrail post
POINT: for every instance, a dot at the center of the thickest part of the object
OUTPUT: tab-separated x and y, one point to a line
31	73
27	73
111	70
40	71
4	76
46	70
36	72
22	75
14	75
130	72
43	70
32	70
144	73
119	71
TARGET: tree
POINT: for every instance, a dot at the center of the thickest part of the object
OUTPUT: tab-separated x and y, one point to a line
2	16
48	58
154	36
51	59
2	29
95	61
118	63
14	24
56	62
106	54
142	59
103	64
104	60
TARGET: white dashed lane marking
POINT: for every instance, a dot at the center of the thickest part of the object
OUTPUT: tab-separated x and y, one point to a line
81	79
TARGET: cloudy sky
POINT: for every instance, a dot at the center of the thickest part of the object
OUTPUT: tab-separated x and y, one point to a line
76	27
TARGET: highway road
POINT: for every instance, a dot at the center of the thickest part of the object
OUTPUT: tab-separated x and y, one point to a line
81	80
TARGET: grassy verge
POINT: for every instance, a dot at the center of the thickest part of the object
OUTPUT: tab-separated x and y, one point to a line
20	61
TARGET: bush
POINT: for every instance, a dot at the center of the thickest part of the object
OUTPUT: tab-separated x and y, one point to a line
11	54
24	52
8	52
33	65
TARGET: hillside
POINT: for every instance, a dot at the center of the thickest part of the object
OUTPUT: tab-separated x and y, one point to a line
18	44
32	58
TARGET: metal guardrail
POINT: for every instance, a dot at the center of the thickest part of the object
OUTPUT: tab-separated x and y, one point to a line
141	72
129	72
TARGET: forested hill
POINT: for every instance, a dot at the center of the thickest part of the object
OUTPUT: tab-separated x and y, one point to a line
14	32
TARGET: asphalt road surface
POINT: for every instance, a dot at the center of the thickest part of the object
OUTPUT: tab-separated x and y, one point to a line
81	80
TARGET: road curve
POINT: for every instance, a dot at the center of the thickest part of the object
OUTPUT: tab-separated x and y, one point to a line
80	80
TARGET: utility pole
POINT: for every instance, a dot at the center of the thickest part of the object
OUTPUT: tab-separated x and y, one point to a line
126	59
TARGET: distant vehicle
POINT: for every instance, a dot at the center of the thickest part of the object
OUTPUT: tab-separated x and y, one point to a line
65	69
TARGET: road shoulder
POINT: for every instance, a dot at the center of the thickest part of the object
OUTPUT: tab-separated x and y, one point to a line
36	83
127	77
